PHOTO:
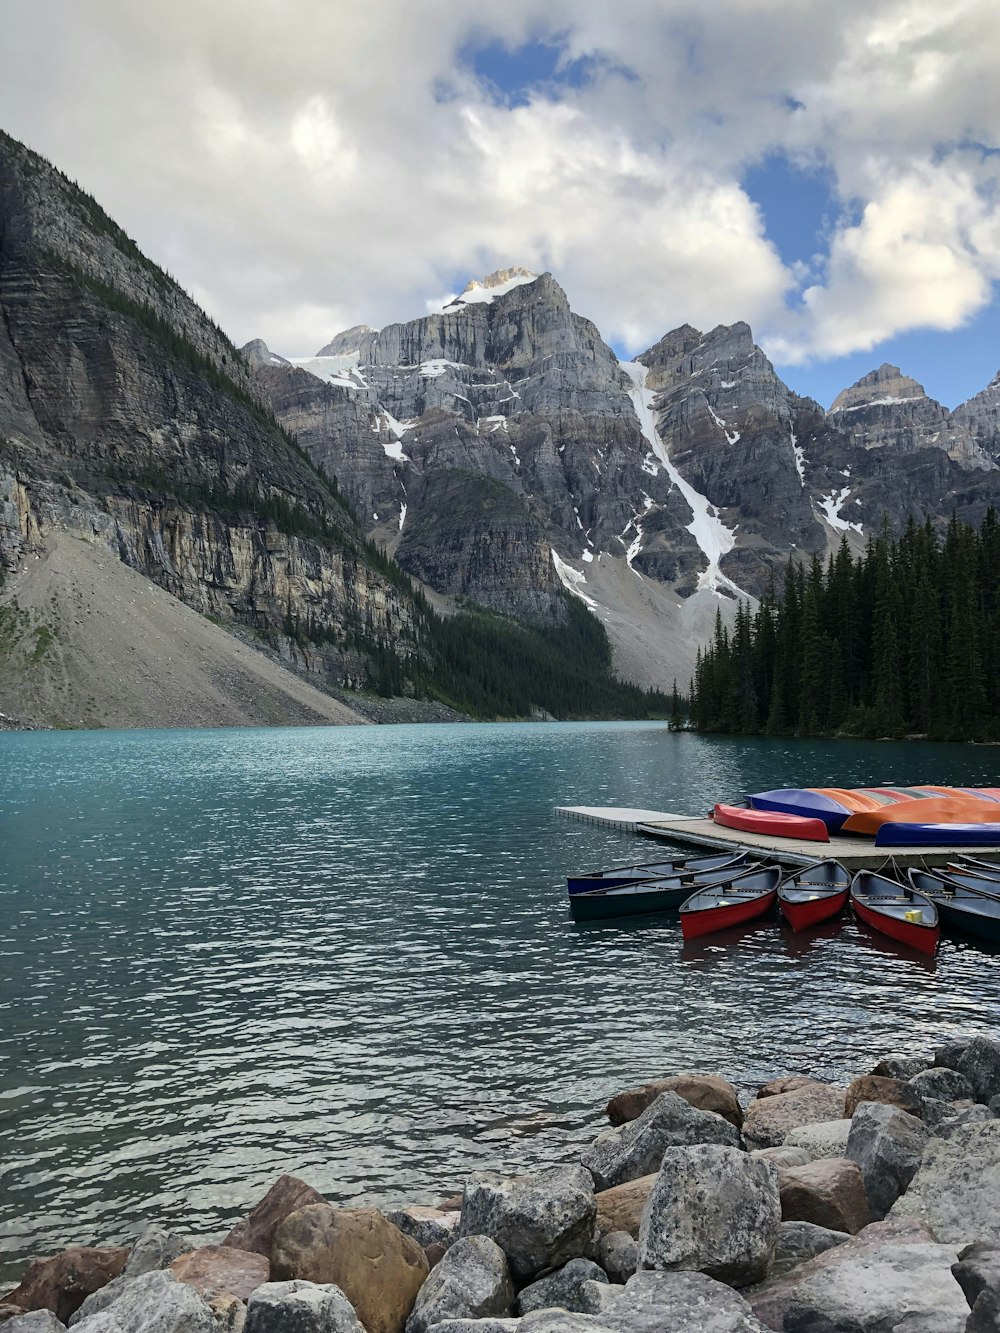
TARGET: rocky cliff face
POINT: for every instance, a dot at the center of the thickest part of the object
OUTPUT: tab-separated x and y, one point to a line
127	418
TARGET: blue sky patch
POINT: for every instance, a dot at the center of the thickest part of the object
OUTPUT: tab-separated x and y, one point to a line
799	206
516	74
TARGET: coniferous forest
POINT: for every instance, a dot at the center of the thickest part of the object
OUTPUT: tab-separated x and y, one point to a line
902	640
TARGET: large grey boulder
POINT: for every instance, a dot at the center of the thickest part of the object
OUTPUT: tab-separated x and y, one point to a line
768	1120
155	1248
978	1268
976	1114
947	1084
985	1316
980	1064
799	1241
887	1145
682	1302
563	1288
300	1307
901	1066
949	1053
539	1221
826	1138
636	1148
34	1321
887	1278
472	1281
154	1302
713	1209
956	1189
427	1226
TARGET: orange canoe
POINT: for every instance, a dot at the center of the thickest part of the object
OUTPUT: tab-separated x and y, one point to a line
932	809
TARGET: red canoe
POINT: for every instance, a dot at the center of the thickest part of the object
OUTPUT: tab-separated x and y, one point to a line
772	822
810	896
896	911
719	906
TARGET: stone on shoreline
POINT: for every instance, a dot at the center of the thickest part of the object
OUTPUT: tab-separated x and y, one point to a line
153	1302
956	1188
980	1065
713	1209
300	1307
62	1282
769	1119
901	1066
427	1226
212	1268
799	1241
977	1269
255	1232
705	1092
618	1255
887	1145
620	1208
539	1221
947	1084
777	1087
887	1277
560	1289
472	1281
154	1248
377	1268
975	1114
830	1193
661	1302
891	1091
782	1157
826	1138
33	1321
636	1148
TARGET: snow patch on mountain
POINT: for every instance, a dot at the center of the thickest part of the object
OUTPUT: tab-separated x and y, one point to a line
572	579
831	506
713	537
341	371
800	459
481	291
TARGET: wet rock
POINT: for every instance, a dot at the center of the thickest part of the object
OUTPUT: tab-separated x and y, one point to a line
887	1145
703	1091
560	1289
783	1156
618	1255
154	1302
777	1087
300	1307
947	1084
62	1282
828	1138
891	1091
255	1232
901	1066
34	1321
888	1277
830	1193
620	1208
637	1147
713	1209
427	1226
539	1221
799	1241
155	1248
769	1120
472	1281
980	1064
948	1055
222	1268
956	1189
377	1268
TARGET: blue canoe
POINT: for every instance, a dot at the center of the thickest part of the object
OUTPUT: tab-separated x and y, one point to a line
938	835
802	801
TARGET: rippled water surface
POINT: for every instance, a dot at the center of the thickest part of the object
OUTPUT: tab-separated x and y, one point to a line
346	953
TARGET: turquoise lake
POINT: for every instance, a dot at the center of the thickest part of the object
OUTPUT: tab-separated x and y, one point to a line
346	953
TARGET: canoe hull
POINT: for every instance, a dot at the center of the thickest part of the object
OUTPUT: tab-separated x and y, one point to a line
712	919
938	835
923	938
969	923
597	906
772	822
933	811
619	876
800	916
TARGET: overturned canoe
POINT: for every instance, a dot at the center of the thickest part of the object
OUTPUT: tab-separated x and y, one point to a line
903	834
895	910
807	897
621	875
931	812
719	906
772	822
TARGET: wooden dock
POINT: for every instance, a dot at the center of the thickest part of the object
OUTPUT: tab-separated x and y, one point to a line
696	831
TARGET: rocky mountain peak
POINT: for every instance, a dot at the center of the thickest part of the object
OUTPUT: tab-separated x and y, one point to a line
257	353
887	385
494	284
349	341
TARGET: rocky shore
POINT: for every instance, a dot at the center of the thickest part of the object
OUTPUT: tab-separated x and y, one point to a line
812	1209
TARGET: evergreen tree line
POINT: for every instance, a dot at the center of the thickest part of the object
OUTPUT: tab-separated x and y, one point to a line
903	639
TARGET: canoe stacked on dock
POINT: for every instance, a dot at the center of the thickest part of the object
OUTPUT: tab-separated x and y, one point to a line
771	822
895	816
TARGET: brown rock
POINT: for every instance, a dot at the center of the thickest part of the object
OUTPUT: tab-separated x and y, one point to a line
453	1204
829	1193
435	1252
221	1268
62	1282
377	1268
256	1231
892	1091
769	1119
703	1091
228	1311
787	1083
620	1208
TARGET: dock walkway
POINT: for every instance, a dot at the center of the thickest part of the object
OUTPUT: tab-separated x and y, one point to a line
696	831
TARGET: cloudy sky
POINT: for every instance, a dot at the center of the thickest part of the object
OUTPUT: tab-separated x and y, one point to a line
826	169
